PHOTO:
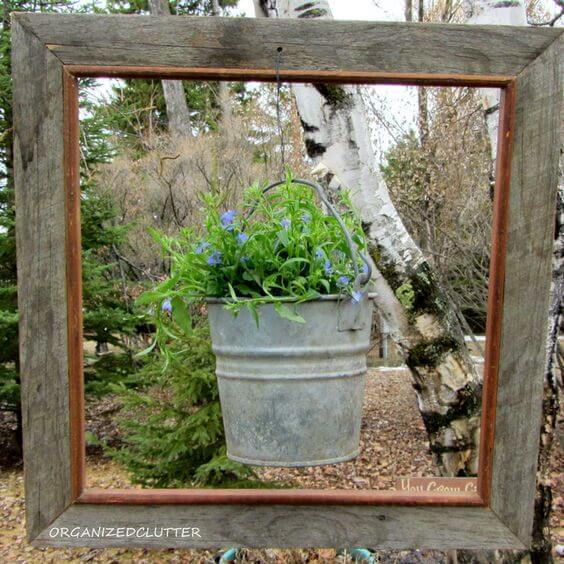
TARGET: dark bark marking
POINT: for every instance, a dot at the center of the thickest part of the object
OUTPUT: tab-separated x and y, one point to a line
468	403
314	149
427	297
308	128
430	353
335	95
305	6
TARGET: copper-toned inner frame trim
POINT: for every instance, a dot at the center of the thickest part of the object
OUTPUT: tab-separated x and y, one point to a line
274	497
290	496
74	281
496	284
288	75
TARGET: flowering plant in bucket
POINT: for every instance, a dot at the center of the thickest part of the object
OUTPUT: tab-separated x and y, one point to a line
290	389
278	248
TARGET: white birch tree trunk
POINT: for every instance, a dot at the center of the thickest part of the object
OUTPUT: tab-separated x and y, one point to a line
493	12
409	298
177	112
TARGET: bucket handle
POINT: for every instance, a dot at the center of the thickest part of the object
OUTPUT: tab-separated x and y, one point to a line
361	278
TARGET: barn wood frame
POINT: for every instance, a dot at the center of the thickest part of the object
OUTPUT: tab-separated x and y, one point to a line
50	51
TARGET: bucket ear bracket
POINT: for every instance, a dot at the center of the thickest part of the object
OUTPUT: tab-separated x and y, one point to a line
349	313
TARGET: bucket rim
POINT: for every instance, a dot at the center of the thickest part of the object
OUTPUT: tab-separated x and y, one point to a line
322	298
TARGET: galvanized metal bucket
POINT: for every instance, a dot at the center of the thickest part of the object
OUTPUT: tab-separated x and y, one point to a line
291	393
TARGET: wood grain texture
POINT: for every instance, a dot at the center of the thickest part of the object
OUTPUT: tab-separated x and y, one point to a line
280	526
41	258
534	177
249	43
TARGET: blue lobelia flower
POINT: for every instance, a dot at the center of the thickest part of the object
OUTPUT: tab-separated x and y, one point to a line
285	223
167	307
343	280
328	267
242	238
214	259
356	297
364	268
227	219
306	217
319	254
202	246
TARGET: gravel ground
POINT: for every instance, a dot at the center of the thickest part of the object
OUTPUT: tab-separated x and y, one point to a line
393	444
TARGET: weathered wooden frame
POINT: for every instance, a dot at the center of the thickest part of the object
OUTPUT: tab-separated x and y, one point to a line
50	51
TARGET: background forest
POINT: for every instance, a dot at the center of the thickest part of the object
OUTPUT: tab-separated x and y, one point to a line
150	149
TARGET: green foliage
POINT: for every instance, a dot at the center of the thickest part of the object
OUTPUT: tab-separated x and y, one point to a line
8	335
287	249
173	429
9	387
97	144
103	374
109	314
406	295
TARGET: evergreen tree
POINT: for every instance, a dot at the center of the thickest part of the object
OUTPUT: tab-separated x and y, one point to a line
9	379
109	312
173	429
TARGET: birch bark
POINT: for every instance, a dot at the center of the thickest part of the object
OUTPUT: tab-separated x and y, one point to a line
493	12
410	299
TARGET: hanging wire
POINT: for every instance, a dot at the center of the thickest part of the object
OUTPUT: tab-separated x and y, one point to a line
278	109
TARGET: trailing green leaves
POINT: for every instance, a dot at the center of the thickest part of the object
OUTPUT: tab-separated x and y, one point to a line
287	313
